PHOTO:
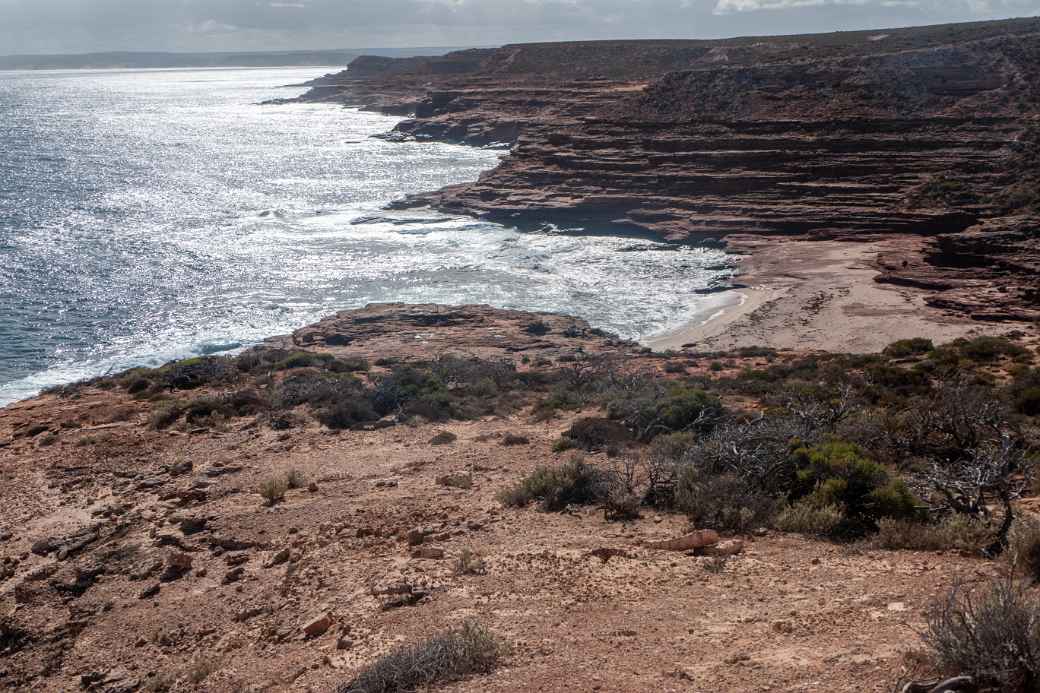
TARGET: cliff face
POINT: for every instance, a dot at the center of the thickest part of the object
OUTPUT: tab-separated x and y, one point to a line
913	131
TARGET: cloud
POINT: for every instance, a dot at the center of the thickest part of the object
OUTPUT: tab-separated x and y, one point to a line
961	9
90	25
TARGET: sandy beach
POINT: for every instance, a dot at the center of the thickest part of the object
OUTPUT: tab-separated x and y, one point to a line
816	295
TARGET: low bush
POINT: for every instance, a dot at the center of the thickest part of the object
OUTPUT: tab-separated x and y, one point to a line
1027	401
347	413
573	483
992	635
273	489
908	347
661	460
725	502
195	372
837	473
805	518
1024	545
955	532
294	479
537	328
988	349
451	656
660	408
314	389
165	415
443	438
511	439
463	481
594	433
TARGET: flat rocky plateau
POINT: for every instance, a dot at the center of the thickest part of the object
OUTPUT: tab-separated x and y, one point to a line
137	558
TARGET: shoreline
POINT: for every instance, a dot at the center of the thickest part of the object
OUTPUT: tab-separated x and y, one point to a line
817	295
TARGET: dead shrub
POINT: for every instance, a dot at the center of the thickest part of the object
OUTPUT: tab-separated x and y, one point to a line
723	501
165	415
992	635
451	656
273	489
294	478
1024	544
463	481
595	433
470	562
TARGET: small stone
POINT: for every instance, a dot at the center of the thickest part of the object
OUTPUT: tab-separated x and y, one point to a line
415	537
177	564
428	552
312	487
278	558
317	625
344	643
233	575
149	591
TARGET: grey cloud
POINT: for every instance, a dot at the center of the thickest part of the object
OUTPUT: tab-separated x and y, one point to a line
90	25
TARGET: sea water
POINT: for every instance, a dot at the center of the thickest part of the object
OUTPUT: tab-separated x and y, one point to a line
148	215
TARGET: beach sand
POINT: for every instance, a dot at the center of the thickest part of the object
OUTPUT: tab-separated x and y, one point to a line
816	295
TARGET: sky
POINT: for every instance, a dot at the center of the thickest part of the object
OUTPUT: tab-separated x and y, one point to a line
76	26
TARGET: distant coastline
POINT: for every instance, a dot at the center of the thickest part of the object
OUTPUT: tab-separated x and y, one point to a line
159	59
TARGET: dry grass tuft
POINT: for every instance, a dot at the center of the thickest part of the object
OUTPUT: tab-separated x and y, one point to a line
450	656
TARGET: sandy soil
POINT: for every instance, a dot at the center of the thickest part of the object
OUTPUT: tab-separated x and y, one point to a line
788	614
817	295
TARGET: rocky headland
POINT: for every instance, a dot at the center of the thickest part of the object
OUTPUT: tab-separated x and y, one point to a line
926	136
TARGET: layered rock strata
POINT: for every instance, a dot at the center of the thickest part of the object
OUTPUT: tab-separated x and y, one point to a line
912	131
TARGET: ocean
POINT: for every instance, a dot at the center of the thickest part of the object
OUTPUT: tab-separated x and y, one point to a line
148	215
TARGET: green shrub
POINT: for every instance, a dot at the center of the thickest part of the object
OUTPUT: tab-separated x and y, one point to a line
837	473
665	408
195	372
560	398
451	656
908	347
805	518
724	502
988	349
573	483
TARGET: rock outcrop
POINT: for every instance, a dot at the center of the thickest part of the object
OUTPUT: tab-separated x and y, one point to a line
910	131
